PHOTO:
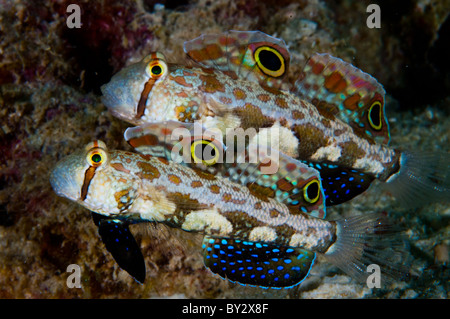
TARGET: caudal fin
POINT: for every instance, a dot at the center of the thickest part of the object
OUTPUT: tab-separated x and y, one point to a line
422	178
370	243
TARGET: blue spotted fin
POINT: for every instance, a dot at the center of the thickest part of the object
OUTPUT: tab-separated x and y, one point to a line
422	178
120	242
341	184
370	239
257	264
249	55
270	173
353	96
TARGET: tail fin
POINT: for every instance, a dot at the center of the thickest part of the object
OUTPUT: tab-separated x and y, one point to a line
422	178
367	242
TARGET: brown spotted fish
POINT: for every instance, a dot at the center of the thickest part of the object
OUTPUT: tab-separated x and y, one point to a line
332	119
251	235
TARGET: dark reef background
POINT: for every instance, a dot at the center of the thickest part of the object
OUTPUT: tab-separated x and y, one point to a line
50	77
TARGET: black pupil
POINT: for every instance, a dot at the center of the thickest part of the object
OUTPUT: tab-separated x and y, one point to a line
96	158
156	70
269	60
375	115
205	151
312	191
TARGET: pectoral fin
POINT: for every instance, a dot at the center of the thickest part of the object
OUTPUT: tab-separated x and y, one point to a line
119	241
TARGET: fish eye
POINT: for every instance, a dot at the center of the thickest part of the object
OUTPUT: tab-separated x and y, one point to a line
156	70
311	191
205	151
270	61
96	157
374	116
156	67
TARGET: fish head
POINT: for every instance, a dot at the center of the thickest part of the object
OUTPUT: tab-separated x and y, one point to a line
71	176
86	177
127	93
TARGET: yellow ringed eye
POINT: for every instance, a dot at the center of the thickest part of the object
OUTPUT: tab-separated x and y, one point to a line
204	151
156	68
270	61
311	191
374	116
96	157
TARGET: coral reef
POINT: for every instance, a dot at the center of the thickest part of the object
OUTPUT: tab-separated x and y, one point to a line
49	95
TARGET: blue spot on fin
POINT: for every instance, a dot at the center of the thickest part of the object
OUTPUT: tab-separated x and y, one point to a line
119	241
257	264
341	184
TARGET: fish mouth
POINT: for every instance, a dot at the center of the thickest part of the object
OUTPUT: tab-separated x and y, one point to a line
113	96
65	178
121	94
120	101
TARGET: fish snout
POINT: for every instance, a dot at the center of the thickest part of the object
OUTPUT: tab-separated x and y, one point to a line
66	178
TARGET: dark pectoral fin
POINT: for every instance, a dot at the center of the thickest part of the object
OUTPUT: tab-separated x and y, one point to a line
119	241
97	218
259	264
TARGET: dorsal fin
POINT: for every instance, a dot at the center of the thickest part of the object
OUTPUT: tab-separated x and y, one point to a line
251	55
168	139
265	171
279	176
340	88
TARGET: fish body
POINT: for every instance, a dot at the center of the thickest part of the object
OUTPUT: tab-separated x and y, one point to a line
249	236
223	101
136	186
332	119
